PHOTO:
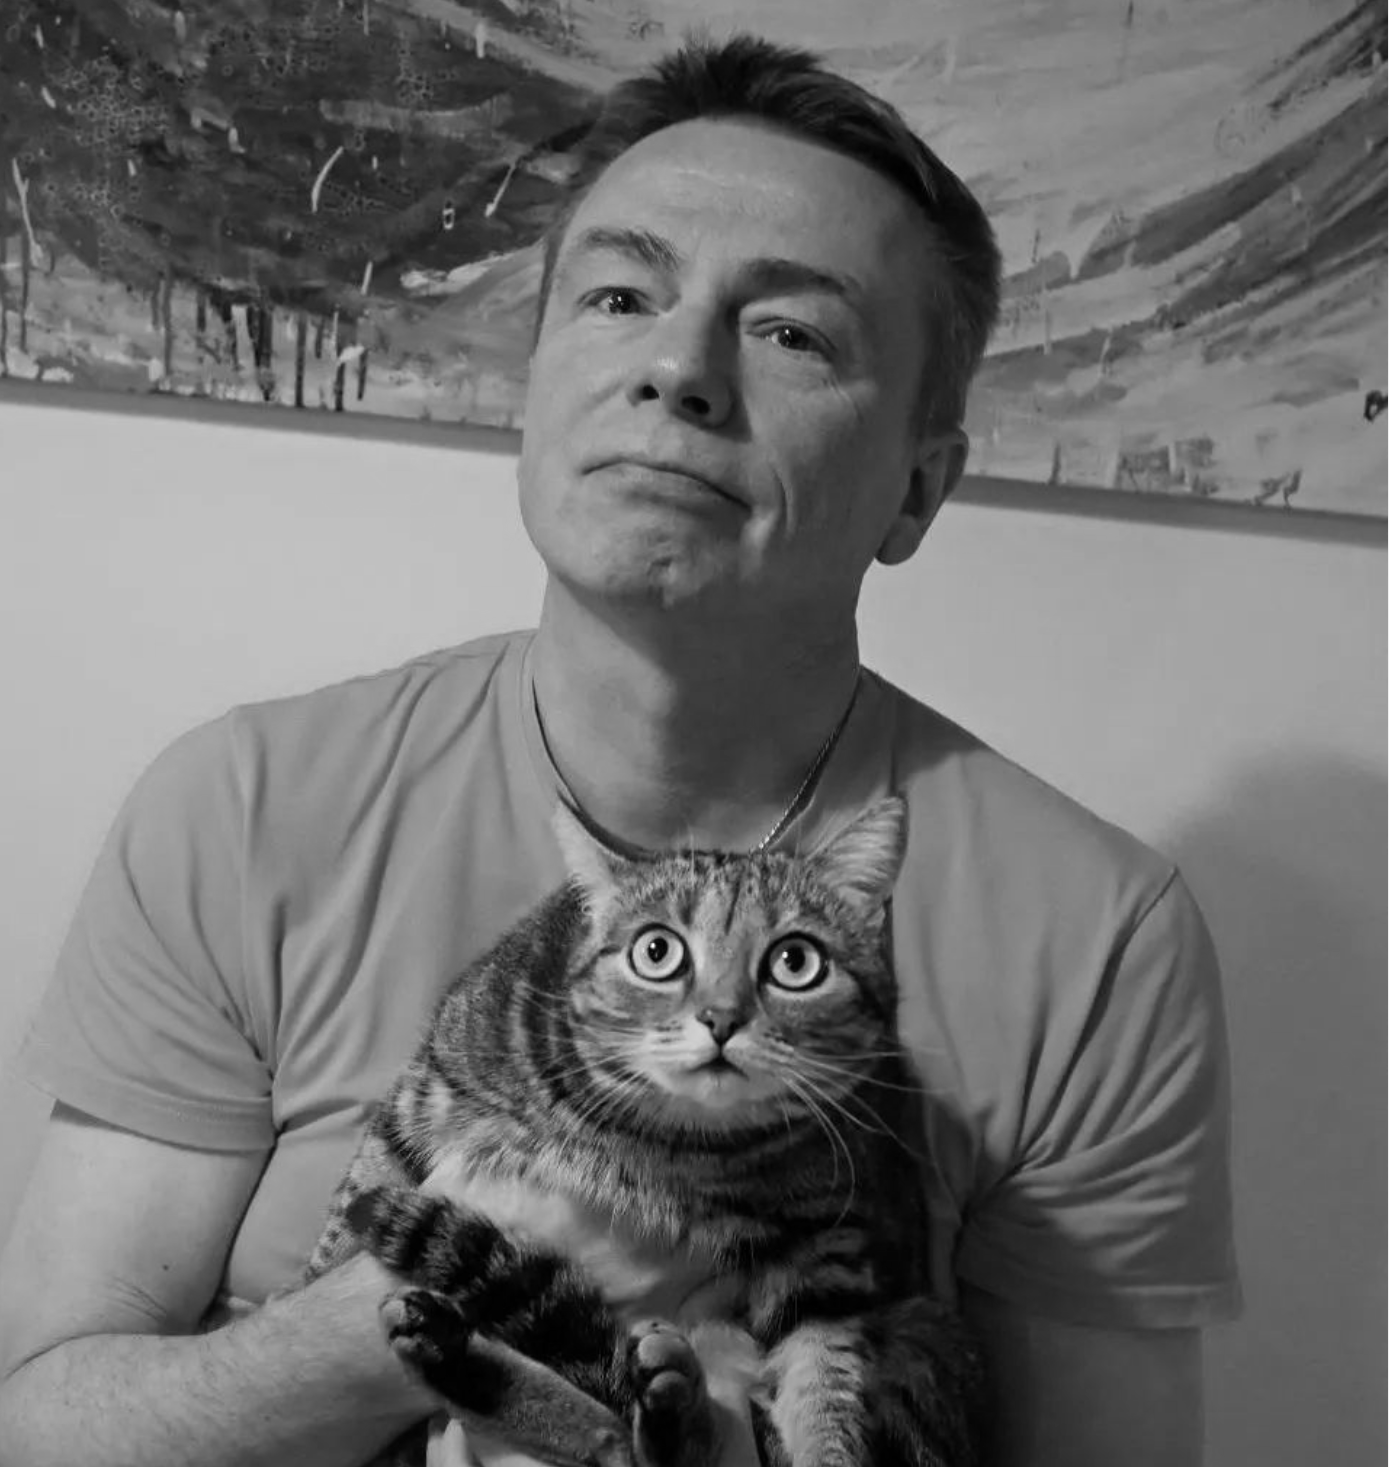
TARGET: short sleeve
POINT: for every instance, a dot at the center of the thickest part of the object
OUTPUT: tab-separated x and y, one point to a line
145	1022
1117	1211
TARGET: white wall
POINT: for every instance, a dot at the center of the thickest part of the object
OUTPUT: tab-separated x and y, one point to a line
1219	690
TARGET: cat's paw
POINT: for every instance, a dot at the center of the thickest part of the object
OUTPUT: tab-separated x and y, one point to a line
673	1423
427	1331
663	1369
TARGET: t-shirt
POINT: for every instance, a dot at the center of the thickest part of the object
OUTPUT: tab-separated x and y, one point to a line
289	889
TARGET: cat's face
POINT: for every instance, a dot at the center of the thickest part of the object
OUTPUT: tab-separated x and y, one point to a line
726	990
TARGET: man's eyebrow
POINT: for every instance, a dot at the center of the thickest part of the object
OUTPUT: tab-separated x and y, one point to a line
651	249
763	275
771	275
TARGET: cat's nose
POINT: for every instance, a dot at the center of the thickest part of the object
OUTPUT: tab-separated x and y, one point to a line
721	1023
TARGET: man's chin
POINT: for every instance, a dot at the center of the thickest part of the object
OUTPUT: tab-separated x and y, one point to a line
661	584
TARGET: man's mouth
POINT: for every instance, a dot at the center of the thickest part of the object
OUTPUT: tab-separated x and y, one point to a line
672	470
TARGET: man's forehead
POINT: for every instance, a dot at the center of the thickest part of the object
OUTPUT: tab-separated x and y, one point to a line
759	272
720	154
710	178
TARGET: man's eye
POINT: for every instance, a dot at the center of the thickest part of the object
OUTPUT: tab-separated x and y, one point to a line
797	339
614	300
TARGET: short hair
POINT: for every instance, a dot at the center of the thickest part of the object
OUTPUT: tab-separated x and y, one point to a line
749	77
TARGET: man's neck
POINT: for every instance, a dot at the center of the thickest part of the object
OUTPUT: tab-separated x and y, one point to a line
673	731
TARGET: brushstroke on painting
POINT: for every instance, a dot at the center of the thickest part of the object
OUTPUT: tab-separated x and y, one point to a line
334	205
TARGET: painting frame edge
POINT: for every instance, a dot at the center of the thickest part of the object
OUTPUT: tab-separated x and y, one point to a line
1022	495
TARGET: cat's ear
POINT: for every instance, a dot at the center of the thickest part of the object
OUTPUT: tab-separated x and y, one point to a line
586	859
862	861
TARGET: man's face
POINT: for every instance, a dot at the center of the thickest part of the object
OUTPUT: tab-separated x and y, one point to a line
724	393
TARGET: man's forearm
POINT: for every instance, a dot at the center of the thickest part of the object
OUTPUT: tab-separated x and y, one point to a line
306	1380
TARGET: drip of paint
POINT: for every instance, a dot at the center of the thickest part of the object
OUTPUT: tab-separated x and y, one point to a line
21	185
318	182
491	208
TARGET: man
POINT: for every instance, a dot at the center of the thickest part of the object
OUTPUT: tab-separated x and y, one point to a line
758	325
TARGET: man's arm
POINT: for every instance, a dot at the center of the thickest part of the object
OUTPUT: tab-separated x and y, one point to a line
1063	1395
115	1255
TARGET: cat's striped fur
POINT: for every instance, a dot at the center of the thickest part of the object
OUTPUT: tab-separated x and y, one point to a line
747	1107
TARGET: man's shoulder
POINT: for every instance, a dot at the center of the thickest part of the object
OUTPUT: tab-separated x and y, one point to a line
453	671
346	737
990	813
431	696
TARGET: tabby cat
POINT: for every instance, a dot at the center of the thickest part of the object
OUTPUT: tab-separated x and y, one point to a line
701	1048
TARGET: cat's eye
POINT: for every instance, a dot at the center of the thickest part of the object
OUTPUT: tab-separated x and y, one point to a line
796	963
657	954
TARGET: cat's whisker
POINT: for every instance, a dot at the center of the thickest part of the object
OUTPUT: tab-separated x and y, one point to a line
853	1174
630	1049
845	1101
922	1092
824	1095
519	983
583	1069
615	1105
855	1056
560	1079
860	1080
824	1072
542	999
605	1103
804	1091
565	1066
870	1122
853	1073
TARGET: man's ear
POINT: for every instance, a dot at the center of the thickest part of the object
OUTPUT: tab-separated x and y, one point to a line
936	469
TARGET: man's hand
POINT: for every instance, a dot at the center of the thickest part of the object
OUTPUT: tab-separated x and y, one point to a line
116	1253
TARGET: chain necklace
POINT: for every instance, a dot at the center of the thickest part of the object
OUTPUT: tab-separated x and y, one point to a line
811	774
782	820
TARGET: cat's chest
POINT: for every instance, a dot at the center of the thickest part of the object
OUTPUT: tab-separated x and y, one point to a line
639	1274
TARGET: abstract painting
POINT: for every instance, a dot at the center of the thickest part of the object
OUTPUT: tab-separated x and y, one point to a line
334	206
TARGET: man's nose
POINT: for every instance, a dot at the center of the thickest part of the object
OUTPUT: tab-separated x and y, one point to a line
721	1022
687	367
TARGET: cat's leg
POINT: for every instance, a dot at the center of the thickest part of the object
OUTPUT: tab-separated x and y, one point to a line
376	1164
531	1300
471	1279
896	1387
673	1424
531	1407
926	1382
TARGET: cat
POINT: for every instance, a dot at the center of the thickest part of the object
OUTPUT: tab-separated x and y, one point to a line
700	1047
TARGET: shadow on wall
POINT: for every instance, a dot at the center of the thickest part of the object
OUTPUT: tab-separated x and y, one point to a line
1288	862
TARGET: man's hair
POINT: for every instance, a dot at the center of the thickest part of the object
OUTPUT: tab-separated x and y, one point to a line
747	77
